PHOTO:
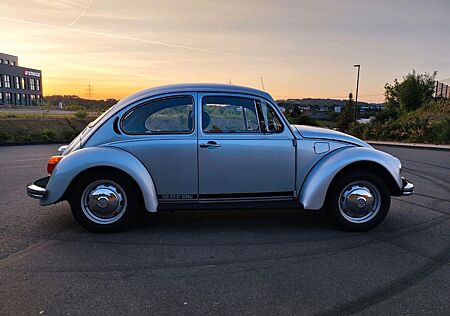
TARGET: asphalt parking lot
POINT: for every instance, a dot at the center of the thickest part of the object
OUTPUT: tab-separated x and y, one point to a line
221	262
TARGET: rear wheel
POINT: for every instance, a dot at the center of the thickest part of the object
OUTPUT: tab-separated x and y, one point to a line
358	200
104	201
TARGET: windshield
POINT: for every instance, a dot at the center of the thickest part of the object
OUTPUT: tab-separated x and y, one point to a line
91	124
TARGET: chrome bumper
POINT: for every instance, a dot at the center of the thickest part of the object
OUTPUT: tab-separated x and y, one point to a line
408	187
37	189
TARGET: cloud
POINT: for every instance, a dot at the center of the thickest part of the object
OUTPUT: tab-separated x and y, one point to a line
118	36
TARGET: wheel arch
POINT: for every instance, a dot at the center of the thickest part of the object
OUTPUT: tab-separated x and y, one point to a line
373	167
85	172
88	159
316	185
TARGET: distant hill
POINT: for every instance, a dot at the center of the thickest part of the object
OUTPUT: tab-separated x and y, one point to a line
74	100
316	103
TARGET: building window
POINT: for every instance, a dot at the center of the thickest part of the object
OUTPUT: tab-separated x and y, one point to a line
38	84
32	87
7	80
23	83
1	80
24	98
17	81
33	99
7	97
1	97
1	61
6	61
13	63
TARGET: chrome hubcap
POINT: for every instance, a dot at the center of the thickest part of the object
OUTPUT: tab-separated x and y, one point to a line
104	202
359	202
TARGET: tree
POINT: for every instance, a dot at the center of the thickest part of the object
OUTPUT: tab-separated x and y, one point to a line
295	116
347	115
409	95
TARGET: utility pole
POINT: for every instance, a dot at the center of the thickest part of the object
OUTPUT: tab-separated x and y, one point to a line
262	83
89	91
357	89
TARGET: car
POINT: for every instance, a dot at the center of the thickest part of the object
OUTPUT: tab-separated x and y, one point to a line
204	146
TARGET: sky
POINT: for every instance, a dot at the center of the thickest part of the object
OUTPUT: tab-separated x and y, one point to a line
299	48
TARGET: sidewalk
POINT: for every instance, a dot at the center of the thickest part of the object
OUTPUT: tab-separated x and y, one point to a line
410	145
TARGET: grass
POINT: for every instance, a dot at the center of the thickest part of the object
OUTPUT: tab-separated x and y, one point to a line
28	128
5	115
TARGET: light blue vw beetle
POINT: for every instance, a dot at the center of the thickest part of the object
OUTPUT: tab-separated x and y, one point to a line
212	145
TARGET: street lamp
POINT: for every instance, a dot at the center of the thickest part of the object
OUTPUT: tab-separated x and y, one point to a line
357	88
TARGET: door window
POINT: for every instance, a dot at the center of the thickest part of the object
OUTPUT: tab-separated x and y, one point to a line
269	121
222	114
165	116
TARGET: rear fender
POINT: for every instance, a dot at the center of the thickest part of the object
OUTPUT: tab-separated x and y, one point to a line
78	161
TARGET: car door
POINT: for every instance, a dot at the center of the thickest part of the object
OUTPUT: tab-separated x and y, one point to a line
245	151
162	134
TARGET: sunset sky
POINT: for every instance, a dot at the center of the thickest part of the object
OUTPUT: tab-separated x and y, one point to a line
300	48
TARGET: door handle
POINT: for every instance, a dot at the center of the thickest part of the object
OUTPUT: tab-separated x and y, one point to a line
211	144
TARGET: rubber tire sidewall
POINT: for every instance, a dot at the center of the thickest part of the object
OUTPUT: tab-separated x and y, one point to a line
336	187
120	178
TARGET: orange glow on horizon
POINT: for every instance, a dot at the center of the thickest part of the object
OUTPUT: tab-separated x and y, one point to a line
301	49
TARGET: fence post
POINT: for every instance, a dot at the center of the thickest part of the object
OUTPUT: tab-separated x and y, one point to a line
435	92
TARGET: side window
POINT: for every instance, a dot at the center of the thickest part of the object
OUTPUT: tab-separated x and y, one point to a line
269	121
165	116
229	115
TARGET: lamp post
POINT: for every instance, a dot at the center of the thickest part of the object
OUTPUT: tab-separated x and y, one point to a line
357	88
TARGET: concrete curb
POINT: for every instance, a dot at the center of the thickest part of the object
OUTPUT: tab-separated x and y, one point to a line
409	145
36	143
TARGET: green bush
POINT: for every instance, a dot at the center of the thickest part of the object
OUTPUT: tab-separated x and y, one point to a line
81	113
48	134
69	134
3	137
303	120
429	124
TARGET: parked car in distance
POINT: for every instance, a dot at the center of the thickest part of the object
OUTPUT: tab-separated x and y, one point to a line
203	146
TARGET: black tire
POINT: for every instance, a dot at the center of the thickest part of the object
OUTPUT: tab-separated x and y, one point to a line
349	180
125	188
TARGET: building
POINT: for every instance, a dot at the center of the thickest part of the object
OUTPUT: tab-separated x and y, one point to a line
19	85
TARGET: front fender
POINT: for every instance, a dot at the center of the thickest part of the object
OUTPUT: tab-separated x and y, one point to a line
314	190
78	161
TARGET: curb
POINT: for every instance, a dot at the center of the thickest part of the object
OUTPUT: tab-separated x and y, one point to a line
53	142
410	145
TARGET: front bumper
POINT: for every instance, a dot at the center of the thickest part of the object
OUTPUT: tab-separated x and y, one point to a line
38	189
408	187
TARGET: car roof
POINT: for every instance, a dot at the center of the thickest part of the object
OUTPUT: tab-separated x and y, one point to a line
191	87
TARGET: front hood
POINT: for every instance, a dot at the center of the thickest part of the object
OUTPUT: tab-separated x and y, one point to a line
328	134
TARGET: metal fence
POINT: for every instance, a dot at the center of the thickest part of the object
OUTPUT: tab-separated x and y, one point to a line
442	90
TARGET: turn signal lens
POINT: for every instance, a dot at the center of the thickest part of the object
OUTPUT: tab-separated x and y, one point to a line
52	162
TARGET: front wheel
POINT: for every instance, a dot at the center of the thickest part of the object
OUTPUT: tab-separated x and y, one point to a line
358	201
103	201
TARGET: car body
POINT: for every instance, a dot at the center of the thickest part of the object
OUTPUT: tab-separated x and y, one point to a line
213	145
